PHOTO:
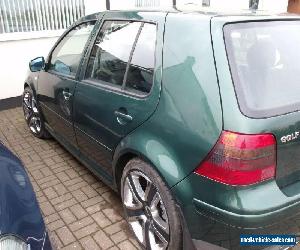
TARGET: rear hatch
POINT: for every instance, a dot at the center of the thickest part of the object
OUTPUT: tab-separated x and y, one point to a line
264	59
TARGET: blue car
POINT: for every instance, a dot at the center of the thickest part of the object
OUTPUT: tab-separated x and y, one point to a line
21	223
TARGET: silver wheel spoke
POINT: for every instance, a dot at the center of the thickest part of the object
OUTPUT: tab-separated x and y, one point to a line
27	105
161	233
138	229
34	106
159	212
135	213
35	124
147	240
31	124
135	180
145	211
131	197
27	100
150	192
26	113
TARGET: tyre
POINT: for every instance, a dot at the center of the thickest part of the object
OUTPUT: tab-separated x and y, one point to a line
149	207
33	116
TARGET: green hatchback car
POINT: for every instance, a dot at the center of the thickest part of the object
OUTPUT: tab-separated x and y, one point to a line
192	117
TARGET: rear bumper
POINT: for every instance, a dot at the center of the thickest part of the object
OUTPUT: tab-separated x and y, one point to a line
216	215
228	235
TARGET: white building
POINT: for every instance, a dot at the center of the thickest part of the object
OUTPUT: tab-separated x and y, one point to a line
29	28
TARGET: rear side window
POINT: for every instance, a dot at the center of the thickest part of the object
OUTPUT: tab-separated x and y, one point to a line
264	61
66	56
140	72
111	52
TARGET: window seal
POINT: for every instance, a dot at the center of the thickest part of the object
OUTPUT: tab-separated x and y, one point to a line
131	55
59	74
106	86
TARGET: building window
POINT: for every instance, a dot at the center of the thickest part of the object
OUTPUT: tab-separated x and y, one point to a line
147	3
253	4
38	15
205	3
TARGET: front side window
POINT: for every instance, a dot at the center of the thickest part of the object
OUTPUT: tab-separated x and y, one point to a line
66	56
111	52
264	61
140	73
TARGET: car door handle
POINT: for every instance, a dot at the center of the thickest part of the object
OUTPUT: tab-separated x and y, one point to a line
66	95
122	117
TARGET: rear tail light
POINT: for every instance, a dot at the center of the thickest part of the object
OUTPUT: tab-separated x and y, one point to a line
240	159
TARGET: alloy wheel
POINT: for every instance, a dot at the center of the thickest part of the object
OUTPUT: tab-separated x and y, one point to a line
31	113
146	212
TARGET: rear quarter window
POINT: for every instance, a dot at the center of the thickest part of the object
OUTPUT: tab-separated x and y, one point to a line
264	61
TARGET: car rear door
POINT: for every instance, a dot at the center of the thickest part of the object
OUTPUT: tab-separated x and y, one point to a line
57	82
121	85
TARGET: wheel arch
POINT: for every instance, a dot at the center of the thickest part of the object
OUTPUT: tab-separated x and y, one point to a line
26	85
151	150
119	166
31	82
31	86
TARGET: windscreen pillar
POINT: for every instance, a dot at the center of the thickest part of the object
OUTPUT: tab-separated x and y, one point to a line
294	6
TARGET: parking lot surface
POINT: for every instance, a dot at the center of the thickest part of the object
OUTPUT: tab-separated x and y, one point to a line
79	210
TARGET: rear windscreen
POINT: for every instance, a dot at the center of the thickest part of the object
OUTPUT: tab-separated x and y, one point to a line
264	58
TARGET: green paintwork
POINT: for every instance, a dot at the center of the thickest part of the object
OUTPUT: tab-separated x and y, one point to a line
100	121
189	111
176	126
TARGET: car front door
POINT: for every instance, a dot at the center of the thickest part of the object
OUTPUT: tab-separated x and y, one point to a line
120	88
57	82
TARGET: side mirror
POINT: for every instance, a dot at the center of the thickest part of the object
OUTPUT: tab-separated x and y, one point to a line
37	64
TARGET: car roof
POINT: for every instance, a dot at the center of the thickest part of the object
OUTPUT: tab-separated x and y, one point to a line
226	16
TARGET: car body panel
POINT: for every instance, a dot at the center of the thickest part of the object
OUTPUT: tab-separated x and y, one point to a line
181	133
56	109
219	216
97	128
52	87
19	211
32	80
238	206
